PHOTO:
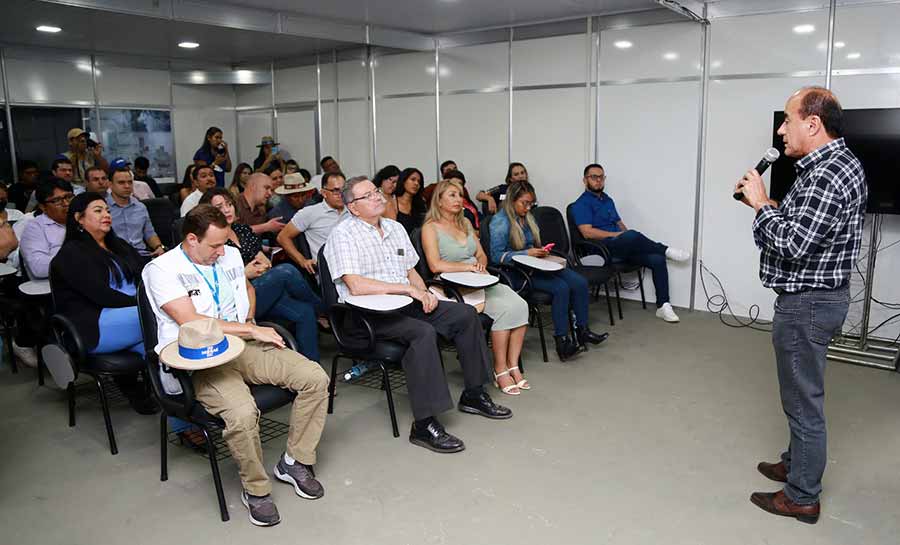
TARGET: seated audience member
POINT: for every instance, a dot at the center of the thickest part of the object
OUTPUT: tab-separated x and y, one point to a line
44	235
451	245
514	174
514	231
597	219
142	174
94	284
214	153
276	172
204	278
370	255
469	209
83	154
130	217
8	240
315	221
96	180
62	168
305	173
21	192
291	167
446	167
386	181
141	190
251	205
295	193
203	179
187	183
328	164
281	291
239	181
269	155
410	204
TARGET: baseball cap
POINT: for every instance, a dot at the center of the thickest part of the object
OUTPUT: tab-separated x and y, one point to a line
75	133
119	162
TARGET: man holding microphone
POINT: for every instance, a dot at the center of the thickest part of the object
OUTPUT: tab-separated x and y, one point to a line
809	243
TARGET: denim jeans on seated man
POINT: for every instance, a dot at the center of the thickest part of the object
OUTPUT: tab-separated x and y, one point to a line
633	247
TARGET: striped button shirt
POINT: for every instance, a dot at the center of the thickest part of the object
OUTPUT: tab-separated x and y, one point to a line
812	239
355	247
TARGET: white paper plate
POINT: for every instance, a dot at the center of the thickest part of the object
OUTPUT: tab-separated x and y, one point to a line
6	270
35	287
378	303
538	263
470	279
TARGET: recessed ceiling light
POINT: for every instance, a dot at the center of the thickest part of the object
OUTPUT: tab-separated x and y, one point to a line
839	45
853	56
670	56
623	44
189	45
48	28
804	29
716	64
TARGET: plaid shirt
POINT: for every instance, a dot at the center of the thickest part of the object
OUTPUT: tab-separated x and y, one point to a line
355	247
813	238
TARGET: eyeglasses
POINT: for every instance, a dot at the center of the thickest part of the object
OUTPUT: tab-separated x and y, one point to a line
374	195
596	177
333	190
528	205
62	199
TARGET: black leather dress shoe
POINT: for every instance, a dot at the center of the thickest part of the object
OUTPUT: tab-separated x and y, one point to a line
434	437
585	335
565	348
483	404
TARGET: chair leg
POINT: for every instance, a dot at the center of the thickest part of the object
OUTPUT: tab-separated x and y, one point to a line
70	393
217	479
612	321
8	340
109	429
521	365
540	326
163	447
332	384
641	284
386	381
619	297
40	367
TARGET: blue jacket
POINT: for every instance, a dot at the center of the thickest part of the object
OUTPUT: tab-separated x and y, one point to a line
501	251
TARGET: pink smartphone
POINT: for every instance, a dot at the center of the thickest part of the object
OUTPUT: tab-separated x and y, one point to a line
549	247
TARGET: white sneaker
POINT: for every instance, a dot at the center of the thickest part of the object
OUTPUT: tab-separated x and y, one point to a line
674	254
667	314
26	355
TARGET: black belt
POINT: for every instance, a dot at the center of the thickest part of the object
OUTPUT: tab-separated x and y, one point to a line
781	291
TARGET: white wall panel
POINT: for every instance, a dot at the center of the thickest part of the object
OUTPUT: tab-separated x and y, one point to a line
767	43
740	129
868	35
198	107
406	134
329	130
475	67
253	96
252	126
354	147
404	73
559	59
353	79
659	51
297	134
39	81
474	134
120	85
295	84
548	137
648	148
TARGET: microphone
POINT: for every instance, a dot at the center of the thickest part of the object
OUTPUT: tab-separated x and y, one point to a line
770	157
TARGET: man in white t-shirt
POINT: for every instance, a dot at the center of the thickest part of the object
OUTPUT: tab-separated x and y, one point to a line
203	178
316	222
201	278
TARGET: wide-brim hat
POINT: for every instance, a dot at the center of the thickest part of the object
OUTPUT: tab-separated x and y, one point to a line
75	133
201	344
294	183
268	141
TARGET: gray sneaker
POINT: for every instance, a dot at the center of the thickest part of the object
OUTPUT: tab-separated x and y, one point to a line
302	477
262	509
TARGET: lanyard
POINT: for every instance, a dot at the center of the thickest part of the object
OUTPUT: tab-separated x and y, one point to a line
214	290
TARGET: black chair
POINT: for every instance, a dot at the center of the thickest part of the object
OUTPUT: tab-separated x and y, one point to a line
351	345
66	343
185	406
553	230
176	231
620	267
167	189
162	214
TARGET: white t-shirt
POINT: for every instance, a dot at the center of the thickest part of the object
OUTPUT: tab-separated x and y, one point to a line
173	275
317	222
190	202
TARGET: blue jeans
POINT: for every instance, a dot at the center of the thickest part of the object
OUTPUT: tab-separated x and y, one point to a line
633	247
803	325
567	288
283	293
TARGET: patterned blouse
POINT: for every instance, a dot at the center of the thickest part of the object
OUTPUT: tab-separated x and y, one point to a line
250	243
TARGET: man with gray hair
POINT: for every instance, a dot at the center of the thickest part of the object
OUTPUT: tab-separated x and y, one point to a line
371	255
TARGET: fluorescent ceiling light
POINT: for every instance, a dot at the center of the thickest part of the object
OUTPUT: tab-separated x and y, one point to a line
670	56
804	29
48	28
189	45
839	45
853	56
623	44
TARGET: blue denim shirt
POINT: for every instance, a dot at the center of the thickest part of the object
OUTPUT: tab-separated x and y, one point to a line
501	251
598	211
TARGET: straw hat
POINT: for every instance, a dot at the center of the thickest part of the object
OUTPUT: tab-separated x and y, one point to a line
294	183
201	344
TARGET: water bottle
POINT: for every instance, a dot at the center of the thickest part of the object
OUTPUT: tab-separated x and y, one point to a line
358	370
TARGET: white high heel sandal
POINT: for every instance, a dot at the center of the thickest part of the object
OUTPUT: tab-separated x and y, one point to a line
522	384
512	389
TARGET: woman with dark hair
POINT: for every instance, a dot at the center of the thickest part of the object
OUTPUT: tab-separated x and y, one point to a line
291	166
241	173
214	152
410	204
94	277
386	180
187	183
269	154
281	291
514	231
516	172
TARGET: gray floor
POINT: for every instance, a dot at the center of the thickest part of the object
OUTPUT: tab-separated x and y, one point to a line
652	438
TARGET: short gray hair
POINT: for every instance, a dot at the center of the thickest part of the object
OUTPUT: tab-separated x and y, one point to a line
347	190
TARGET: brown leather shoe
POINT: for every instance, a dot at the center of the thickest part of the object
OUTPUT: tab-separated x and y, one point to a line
779	504
776	472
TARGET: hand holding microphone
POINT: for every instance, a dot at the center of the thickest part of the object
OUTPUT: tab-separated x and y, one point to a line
770	157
